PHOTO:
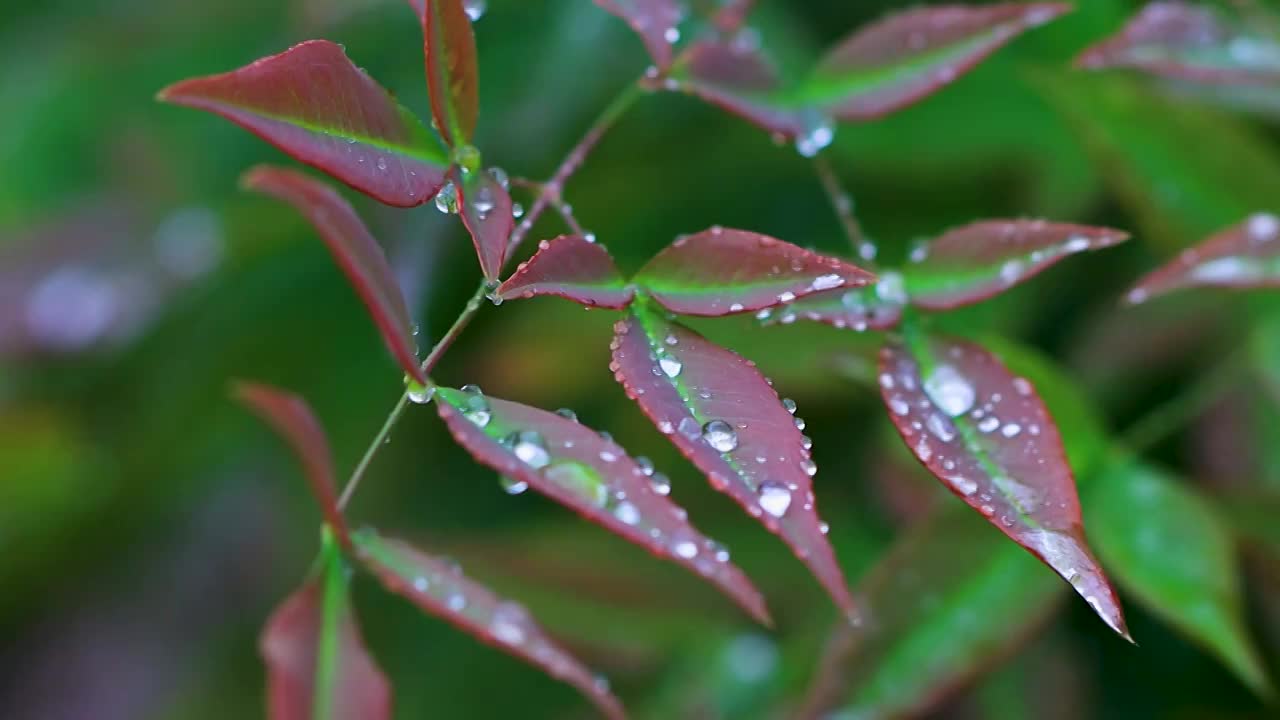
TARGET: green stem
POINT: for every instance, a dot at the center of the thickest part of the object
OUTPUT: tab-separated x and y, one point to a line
842	203
333	599
1178	411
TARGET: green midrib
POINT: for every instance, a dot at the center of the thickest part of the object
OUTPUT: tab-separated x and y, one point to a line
333	604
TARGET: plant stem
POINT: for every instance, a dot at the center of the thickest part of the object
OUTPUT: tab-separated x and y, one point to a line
842	203
1178	411
548	194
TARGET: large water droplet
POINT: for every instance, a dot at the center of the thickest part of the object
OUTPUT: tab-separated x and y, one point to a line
686	549
775	499
816	133
660	483
626	513
420	394
447	199
529	446
720	435
483	201
671	367
476	406
949	390
500	175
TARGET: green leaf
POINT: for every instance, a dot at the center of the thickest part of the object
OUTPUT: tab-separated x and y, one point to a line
1168	547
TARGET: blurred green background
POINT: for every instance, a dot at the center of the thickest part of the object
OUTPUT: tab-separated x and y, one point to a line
148	525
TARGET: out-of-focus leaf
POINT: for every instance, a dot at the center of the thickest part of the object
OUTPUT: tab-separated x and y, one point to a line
1246	255
588	473
1251	516
1190	42
291	417
358	255
439	588
317	664
655	21
718	409
573	268
734	75
723	272
453	75
949	600
972	263
914	53
314	104
987	435
1170	548
485	207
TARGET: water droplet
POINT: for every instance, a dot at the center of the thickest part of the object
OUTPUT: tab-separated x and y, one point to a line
517	210
964	485
720	435
816	133
989	424
421	584
567	414
447	199
1011	430
689	428
530	448
940	427
474	8
645	465
511	486
457	602
790	405
626	513
476	406
827	282
420	394
483	202
809	467
1263	227
799	423
949	390
500	176
671	35
671	367
786	296
686	549
892	288
660	483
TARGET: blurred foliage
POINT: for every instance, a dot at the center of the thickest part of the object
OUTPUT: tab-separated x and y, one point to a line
149	525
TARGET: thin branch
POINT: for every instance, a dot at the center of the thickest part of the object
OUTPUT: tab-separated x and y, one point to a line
842	203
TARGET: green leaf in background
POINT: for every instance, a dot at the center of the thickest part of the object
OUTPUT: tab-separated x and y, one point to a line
1168	547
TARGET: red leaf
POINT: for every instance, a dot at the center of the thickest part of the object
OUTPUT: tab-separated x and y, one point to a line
873	307
723	271
726	418
313	104
987	435
582	470
439	588
1246	255
294	649
1189	42
485	207
655	21
291	417
452	72
573	268
972	263
355	251
735	76
911	54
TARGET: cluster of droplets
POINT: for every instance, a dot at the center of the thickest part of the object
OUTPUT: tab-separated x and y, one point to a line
815	133
476	406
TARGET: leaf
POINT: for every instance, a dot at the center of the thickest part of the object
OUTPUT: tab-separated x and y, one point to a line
975	262
948	601
1246	255
1170	548
734	75
726	418
314	104
873	307
573	268
591	474
439	588
1189	42
291	417
655	21
317	665
354	249
485	207
987	435
722	271
911	54
452	71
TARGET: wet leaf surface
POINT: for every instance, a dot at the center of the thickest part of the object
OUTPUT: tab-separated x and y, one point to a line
1243	256
573	268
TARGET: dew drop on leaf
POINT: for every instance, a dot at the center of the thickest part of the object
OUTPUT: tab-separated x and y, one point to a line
720	435
775	499
447	199
511	486
949	390
671	367
530	448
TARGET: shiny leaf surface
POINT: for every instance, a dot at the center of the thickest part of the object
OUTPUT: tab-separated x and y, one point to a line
1246	255
485	207
573	268
453	76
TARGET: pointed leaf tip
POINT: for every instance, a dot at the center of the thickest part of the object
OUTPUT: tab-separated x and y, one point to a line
439	588
726	418
588	473
311	102
988	437
357	254
317	663
573	268
1246	255
485	207
911	54
291	418
723	272
449	47
655	21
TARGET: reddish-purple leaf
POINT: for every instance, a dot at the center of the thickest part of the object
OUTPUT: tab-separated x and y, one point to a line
586	472
291	417
722	272
734	75
972	263
573	268
314	104
1246	255
872	307
914	53
655	21
452	71
726	418
439	588
317	665
485	207
355	251
988	436
1189	42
